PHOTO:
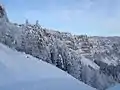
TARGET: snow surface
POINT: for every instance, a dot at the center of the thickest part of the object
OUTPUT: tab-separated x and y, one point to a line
88	62
117	87
20	71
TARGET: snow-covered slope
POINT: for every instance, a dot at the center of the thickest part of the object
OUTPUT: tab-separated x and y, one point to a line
19	71
116	87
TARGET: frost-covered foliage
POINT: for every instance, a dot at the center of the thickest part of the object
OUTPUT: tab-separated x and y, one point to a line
93	60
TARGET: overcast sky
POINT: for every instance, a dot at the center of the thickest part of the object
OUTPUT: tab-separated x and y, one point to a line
91	17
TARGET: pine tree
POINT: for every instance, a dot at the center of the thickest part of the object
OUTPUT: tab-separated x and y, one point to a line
26	22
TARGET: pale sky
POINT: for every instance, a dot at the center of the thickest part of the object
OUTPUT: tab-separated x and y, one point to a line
91	17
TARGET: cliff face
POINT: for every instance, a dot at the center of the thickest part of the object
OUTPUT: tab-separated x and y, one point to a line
93	60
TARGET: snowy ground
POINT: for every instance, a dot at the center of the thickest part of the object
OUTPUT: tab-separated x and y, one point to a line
117	87
23	72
